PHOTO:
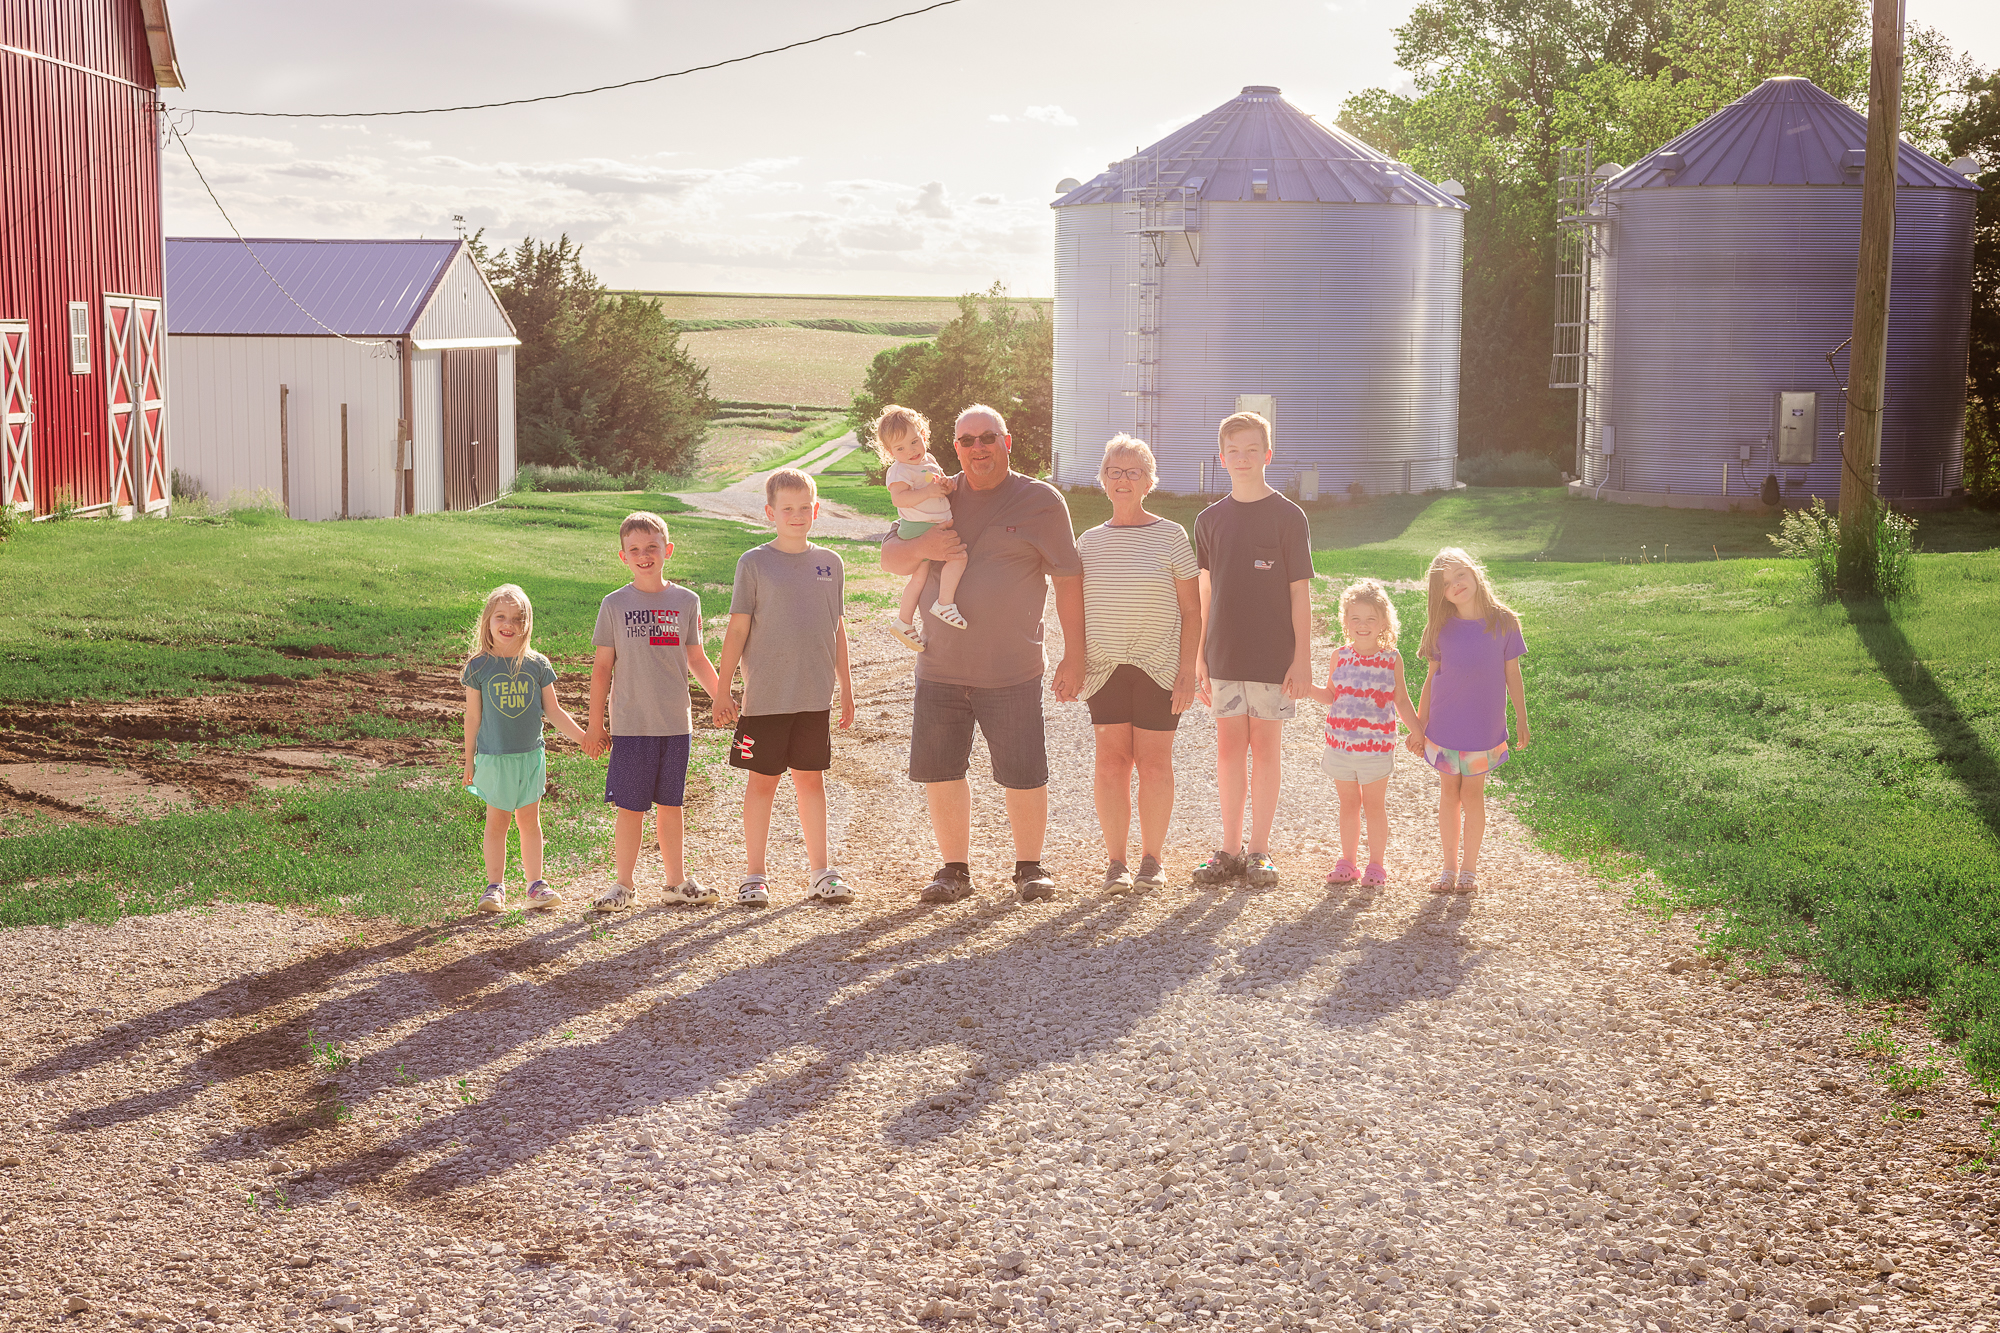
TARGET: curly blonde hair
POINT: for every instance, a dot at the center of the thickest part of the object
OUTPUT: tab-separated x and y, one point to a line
896	421
1371	592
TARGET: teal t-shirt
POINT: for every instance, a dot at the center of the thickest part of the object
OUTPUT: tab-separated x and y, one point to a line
510	700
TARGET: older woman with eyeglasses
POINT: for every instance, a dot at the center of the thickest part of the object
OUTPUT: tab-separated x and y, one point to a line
1141	630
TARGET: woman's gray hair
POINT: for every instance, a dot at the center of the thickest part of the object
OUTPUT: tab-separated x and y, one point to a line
1137	448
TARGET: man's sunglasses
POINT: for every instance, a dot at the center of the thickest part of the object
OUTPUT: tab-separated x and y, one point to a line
984	440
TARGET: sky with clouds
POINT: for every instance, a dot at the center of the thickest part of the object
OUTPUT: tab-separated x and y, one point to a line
917	158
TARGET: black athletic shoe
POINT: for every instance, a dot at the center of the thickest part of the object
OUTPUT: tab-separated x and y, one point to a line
947	886
1033	883
1219	870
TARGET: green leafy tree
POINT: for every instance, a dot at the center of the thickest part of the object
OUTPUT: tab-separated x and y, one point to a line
600	380
994	352
1975	132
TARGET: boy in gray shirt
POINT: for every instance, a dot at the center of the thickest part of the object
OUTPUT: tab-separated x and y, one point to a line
786	627
649	634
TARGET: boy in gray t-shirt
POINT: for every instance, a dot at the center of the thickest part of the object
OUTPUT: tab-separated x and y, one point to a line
786	627
649	635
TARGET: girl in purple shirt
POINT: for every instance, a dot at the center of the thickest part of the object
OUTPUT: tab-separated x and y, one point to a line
1473	644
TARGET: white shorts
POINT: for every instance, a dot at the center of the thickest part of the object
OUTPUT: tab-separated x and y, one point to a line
1258	698
1347	766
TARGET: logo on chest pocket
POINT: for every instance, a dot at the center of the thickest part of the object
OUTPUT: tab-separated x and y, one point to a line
1264	558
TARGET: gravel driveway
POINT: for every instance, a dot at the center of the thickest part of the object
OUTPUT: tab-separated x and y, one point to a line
1297	1109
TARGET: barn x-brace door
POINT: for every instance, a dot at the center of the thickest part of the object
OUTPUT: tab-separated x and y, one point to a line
17	419
135	345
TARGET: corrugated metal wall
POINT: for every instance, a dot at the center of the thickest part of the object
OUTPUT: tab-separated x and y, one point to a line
463	307
427	430
508	456
471	426
79	212
224	427
1715	299
1349	314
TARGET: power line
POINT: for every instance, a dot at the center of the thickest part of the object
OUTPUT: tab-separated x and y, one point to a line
581	92
181	139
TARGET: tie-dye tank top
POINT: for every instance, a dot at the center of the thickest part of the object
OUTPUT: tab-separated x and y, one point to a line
1362	717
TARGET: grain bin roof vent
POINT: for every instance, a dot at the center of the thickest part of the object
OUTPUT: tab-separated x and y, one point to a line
1785	131
1258	146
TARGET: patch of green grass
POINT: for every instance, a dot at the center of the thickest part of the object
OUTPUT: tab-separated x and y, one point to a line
118	610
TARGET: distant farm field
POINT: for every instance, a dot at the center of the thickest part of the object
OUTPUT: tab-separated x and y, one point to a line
778	306
783	364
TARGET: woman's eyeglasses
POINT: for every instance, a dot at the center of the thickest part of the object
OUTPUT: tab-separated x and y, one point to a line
1124	473
985	440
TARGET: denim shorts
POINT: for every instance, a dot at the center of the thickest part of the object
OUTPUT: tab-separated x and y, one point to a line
1010	718
646	771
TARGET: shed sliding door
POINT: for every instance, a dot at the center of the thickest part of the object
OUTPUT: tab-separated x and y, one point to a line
471	427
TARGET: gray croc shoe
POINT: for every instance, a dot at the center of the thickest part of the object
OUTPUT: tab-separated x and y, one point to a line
829	887
754	891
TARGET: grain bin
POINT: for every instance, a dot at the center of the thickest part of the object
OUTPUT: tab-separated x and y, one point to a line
1724	275
1259	259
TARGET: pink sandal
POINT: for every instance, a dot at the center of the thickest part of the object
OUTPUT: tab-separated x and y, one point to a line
1343	872
1375	877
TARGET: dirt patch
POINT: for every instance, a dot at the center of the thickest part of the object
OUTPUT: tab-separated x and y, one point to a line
90	761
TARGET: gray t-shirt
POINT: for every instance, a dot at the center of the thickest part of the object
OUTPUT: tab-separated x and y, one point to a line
510	700
794	602
649	632
1016	535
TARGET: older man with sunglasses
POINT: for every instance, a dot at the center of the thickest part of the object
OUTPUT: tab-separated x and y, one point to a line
1017	533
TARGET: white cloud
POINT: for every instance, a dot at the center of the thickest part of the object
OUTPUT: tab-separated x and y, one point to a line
998	119
322	171
411	145
930	201
1051	115
985	198
243	141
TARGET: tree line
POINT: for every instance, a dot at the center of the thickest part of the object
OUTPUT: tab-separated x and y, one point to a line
1500	87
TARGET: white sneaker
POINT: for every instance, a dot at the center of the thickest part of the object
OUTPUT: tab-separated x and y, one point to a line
829	887
754	891
614	899
494	899
691	894
541	895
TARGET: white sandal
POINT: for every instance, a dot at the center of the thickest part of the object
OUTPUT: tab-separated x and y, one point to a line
948	613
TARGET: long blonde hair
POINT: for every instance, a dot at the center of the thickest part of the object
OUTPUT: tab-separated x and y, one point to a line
482	633
1498	615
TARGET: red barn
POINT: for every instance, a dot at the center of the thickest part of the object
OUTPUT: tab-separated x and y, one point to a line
82	338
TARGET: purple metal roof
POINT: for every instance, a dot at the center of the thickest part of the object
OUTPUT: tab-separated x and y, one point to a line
359	288
1259	134
1785	131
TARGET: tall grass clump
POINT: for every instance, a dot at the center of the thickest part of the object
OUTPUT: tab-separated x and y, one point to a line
568	477
1813	535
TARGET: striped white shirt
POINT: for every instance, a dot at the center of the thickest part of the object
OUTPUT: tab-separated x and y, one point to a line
1130	613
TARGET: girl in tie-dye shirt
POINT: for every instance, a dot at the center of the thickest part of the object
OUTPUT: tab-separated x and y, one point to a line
1364	696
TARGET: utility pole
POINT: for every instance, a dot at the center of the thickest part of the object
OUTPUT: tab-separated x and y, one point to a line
1867	361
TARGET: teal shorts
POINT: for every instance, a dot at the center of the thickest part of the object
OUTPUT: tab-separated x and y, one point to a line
510	781
908	529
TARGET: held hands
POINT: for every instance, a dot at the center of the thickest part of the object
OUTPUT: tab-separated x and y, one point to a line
1298	681
1068	680
724	710
1415	743
595	743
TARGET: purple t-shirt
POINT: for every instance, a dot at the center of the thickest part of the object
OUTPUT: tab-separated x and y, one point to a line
1468	696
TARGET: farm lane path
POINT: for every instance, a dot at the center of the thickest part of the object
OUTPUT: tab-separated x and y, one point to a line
743	501
1295	1109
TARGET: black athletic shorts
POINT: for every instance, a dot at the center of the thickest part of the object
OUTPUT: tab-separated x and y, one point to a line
770	743
1132	696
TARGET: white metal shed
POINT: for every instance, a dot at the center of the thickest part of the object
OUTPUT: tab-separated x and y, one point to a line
350	379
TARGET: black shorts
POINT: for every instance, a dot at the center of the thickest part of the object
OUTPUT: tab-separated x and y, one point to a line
1132	697
770	743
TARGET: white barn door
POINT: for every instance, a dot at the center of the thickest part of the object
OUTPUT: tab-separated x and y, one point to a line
135	348
17	418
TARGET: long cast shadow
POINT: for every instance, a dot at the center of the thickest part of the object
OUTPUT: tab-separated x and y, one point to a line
1959	746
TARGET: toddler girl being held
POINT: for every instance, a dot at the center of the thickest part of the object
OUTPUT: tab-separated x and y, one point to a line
1474	646
1364	695
920	490
509	690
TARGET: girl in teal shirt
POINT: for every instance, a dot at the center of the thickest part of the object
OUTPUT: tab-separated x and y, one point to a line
509	690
